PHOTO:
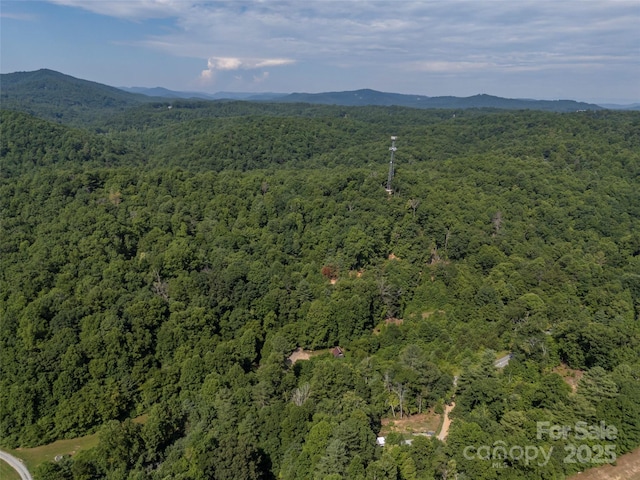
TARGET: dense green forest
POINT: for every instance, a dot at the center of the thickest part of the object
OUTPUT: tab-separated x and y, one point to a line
163	263
62	98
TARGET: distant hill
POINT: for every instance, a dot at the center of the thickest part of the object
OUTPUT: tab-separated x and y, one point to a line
63	98
614	106
366	97
66	99
163	92
372	97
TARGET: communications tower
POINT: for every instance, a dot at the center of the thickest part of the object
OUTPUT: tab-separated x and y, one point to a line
393	148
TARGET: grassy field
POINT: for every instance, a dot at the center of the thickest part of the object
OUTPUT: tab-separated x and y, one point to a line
7	473
46	453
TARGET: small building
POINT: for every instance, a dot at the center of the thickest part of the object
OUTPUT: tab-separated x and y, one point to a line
337	352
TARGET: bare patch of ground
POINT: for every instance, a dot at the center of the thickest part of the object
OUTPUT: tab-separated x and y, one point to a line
299	354
627	467
569	375
415	424
426	315
302	354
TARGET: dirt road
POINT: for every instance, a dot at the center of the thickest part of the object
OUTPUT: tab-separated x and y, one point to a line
446	422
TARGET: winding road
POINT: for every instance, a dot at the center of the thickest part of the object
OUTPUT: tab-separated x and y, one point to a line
17	465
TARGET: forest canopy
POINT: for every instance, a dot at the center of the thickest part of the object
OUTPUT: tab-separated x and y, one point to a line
166	262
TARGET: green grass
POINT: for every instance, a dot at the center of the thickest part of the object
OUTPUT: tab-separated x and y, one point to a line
7	473
46	453
33	457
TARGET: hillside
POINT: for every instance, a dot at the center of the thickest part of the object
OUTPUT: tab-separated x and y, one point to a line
372	97
63	98
164	264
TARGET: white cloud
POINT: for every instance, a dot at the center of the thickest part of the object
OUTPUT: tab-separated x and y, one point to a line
231	63
129	9
434	32
275	62
222	63
422	38
219	64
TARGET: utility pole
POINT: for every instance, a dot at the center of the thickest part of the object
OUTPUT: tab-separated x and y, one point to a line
391	171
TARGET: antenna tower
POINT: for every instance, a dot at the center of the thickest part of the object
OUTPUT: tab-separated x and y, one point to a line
393	149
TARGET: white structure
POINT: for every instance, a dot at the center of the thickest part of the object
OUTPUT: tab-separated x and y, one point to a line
391	167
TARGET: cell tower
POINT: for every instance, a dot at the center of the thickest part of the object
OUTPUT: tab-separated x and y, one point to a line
393	149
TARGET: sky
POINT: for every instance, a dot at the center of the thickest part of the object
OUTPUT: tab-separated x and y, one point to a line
586	50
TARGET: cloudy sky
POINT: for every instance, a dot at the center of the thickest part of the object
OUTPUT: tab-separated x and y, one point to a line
584	50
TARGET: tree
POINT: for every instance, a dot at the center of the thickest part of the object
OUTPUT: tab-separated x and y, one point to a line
120	446
413	203
236	457
334	462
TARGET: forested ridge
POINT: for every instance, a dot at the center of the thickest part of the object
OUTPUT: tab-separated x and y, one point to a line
63	98
73	101
164	263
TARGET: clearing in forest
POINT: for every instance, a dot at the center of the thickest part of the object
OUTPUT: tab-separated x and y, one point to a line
47	453
569	375
302	354
412	425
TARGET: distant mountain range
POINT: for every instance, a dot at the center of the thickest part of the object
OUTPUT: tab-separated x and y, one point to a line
366	97
165	93
54	95
372	97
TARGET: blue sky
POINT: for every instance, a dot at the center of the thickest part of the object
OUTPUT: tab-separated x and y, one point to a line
584	50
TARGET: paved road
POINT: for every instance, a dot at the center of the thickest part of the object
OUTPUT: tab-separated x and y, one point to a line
17	465
503	361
